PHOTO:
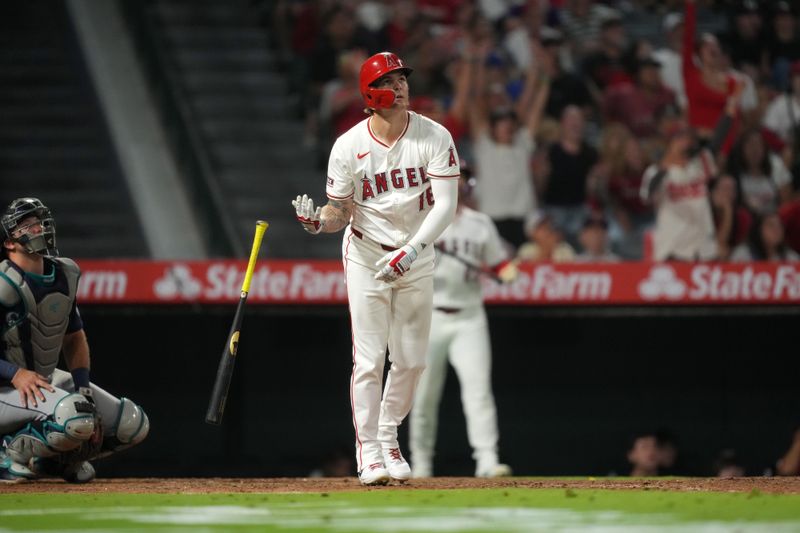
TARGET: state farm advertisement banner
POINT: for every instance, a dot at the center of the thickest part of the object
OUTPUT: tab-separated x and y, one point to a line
322	282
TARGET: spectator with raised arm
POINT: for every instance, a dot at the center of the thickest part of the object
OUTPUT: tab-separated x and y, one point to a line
708	82
678	187
503	143
669	56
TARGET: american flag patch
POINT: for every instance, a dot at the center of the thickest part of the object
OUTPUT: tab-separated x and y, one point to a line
330	181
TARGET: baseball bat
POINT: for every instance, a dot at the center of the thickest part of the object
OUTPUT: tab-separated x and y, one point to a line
225	370
469	264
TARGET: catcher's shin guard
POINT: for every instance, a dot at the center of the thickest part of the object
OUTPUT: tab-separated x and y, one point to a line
130	428
70	425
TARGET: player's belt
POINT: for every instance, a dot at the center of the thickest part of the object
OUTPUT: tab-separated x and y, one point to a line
361	236
448	310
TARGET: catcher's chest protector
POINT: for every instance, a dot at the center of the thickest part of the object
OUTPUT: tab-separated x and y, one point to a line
35	328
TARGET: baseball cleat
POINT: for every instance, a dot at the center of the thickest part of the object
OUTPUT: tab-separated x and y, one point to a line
397	466
421	469
77	472
498	470
82	472
374	474
13	472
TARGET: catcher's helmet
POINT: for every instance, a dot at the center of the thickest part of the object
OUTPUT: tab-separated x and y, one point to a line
43	243
372	69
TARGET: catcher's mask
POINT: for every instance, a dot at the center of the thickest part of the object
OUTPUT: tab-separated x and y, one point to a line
36	243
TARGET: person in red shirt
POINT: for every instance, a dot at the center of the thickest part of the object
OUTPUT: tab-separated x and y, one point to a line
708	82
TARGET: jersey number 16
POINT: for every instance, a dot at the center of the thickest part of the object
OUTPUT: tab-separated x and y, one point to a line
426	196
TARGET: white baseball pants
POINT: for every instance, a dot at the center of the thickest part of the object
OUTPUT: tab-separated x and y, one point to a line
397	315
462	338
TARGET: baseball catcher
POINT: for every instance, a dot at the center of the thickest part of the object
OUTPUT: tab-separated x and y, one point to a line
52	422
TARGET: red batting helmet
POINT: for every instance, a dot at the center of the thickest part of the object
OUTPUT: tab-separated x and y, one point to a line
373	69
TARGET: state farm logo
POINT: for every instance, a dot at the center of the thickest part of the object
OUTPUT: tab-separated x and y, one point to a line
662	282
546	283
222	281
754	282
723	283
177	281
103	285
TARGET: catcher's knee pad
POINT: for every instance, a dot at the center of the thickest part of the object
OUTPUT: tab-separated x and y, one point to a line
71	424
131	427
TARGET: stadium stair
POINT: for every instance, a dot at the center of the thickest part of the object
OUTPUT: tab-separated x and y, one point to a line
237	102
53	139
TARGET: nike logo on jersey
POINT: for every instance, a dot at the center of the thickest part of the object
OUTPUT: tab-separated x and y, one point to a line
362	156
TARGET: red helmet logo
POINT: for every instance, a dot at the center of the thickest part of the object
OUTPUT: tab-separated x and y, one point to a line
374	68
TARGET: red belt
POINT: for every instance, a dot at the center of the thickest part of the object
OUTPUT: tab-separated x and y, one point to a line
448	310
361	236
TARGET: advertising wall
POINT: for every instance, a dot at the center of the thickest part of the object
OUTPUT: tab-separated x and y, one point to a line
584	357
321	282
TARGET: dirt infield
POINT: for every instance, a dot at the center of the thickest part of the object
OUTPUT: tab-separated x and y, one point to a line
778	485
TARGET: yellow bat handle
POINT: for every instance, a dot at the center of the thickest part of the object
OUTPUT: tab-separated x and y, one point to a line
261	227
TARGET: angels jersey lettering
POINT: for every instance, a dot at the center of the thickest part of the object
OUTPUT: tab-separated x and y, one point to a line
390	185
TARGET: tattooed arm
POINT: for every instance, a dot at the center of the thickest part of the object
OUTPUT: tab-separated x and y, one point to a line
336	215
328	219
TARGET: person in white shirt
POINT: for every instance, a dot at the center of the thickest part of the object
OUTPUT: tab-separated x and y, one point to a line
669	57
782	116
469	249
392	186
503	143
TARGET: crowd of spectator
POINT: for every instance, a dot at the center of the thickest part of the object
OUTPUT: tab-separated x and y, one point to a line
599	130
656	453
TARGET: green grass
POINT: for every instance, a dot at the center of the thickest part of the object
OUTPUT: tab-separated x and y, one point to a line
480	510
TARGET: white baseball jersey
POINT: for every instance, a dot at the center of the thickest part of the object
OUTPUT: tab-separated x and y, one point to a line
390	185
459	335
392	195
684	223
473	237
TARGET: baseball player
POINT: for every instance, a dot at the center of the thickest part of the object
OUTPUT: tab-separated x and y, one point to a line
392	186
52	422
470	247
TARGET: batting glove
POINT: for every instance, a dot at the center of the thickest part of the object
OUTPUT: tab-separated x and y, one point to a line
307	215
508	272
395	264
